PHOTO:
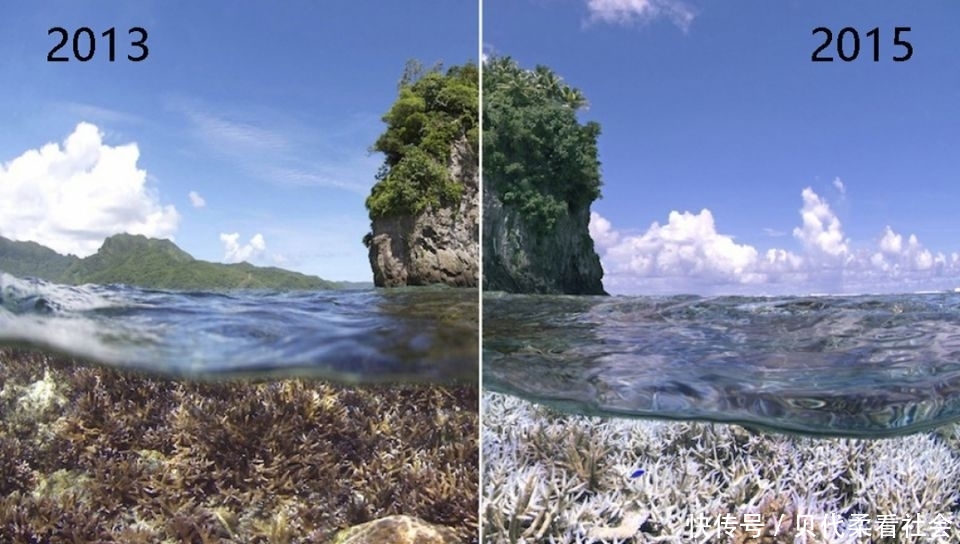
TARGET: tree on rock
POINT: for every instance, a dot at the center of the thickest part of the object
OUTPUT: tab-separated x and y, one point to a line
541	173
537	154
433	110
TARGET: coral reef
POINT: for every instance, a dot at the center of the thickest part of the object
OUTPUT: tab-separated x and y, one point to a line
554	477
92	454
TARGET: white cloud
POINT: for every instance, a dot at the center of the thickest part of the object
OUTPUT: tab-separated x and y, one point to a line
688	254
821	233
196	200
233	136
70	197
687	246
838	184
628	12
891	241
895	257
235	253
602	232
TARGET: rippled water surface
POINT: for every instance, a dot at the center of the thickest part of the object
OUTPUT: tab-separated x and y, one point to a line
848	366
410	334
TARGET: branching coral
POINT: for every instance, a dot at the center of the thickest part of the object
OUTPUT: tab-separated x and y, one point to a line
132	458
706	483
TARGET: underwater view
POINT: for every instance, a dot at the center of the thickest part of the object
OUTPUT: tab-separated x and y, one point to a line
144	415
727	419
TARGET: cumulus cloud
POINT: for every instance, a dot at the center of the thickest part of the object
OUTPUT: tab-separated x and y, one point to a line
689	254
821	233
891	242
602	231
629	12
71	197
895	257
235	253
196	200
688	245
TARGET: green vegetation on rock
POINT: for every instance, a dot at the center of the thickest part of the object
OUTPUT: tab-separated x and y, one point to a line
538	156
146	262
433	110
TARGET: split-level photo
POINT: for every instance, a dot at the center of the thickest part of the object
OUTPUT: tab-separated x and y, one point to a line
239	272
479	271
721	268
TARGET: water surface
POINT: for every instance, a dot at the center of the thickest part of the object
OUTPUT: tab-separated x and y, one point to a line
365	335
847	366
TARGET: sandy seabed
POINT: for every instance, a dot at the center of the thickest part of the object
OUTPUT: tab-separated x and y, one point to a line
92	454
553	477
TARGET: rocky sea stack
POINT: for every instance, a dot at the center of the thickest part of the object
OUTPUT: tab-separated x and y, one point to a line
440	245
424	209
519	259
541	173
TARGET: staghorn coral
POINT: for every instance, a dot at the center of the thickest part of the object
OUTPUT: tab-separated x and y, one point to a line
706	483
126	457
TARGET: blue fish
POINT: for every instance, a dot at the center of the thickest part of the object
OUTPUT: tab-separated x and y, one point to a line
637	473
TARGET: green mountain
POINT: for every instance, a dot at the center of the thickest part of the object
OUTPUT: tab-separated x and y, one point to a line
146	262
32	259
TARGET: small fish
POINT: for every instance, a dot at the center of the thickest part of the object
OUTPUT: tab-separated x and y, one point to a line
637	473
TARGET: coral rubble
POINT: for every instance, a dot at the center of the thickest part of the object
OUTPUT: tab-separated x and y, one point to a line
562	478
92	454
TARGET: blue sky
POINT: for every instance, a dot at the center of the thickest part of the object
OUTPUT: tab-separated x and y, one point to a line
813	176
263	110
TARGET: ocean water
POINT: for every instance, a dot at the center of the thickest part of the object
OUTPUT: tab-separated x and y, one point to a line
352	336
855	366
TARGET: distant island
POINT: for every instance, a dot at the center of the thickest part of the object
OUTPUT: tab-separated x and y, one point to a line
148	262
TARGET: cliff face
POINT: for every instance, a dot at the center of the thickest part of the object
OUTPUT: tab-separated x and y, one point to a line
517	259
437	246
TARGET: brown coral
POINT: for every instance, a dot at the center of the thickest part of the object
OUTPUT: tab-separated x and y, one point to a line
136	458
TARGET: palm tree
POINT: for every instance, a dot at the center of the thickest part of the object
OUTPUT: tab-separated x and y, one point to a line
574	98
549	81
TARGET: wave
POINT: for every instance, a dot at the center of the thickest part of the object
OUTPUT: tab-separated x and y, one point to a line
417	334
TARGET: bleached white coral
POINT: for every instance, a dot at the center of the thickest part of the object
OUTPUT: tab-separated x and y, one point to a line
550	477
